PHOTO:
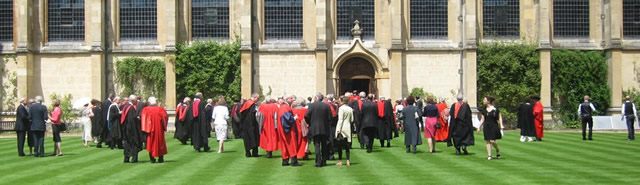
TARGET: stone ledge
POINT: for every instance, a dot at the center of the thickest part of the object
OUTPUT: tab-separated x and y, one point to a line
445	45
138	47
65	47
284	45
7	48
569	43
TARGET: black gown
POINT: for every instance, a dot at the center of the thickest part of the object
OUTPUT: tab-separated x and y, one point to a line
132	132
180	133
490	127
525	120
96	122
385	123
114	123
200	132
249	128
357	119
461	127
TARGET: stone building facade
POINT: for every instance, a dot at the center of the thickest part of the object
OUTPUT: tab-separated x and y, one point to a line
305	46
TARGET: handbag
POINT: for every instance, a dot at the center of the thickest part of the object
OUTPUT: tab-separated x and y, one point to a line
62	127
438	126
340	138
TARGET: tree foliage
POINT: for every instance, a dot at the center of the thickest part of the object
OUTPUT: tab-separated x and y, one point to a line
575	74
69	115
9	90
141	76
509	72
209	67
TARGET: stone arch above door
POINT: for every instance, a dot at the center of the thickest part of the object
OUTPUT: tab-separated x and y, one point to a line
356	50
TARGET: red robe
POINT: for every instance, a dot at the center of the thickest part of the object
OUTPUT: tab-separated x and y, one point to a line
269	136
154	123
287	141
443	133
538	119
302	140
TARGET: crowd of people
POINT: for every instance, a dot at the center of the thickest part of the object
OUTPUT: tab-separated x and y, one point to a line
289	124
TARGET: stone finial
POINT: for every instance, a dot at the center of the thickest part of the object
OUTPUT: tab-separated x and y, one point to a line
356	31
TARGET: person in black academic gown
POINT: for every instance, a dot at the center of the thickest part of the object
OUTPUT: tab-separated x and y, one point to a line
22	119
461	126
248	127
319	118
140	104
356	104
181	121
369	122
113	114
525	121
386	122
208	111
105	135
235	118
132	132
200	131
96	119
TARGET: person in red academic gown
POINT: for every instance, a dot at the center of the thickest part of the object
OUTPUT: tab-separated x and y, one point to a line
132	133
154	122
443	132
248	126
303	130
268	135
287	132
538	117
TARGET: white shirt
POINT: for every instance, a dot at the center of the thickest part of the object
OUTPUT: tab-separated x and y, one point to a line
220	115
593	109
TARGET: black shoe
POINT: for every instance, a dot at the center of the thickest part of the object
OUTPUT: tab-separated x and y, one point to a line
465	151
161	159
247	153
369	150
306	157
389	145
457	151
198	150
126	159
590	139
285	162
134	159
296	164
183	142
584	139
99	146
153	160
538	139
408	149
331	158
269	155
361	146
21	155
318	165
207	149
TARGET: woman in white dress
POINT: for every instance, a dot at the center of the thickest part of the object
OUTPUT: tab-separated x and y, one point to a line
85	119
220	116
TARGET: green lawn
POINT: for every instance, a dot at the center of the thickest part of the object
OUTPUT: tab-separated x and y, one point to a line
562	158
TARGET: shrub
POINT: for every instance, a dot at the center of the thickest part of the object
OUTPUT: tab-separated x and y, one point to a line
575	74
510	73
145	77
209	67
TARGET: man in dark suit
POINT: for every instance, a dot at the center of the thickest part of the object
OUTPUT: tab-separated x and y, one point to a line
319	118
104	135
369	122
22	121
38	115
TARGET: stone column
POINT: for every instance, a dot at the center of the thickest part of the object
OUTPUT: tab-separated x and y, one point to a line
169	27
613	21
242	8
23	23
321	46
94	30
470	51
397	46
544	48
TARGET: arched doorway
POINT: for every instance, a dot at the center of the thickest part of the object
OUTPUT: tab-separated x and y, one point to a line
357	74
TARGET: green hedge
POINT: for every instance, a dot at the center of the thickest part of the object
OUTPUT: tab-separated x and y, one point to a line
209	67
575	74
509	72
133	70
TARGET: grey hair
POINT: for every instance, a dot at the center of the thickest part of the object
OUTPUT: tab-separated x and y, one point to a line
290	96
363	94
32	100
198	95
348	94
132	97
460	96
319	96
152	101
21	100
116	98
186	99
39	99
